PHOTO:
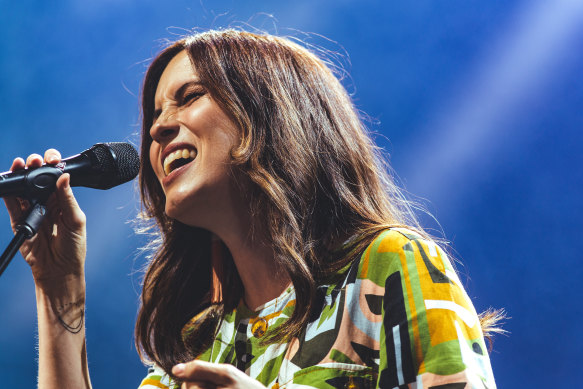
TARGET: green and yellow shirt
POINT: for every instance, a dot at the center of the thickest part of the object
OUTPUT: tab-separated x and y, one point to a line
397	318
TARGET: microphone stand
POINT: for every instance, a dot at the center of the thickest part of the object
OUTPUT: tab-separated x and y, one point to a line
26	229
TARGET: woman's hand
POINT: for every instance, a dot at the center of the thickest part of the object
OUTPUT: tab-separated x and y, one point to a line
200	374
58	249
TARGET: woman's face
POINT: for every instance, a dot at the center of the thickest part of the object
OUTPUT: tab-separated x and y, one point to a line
191	142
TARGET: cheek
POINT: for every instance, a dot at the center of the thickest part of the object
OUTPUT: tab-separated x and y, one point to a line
153	157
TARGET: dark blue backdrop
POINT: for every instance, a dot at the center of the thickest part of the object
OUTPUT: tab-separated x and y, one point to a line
478	105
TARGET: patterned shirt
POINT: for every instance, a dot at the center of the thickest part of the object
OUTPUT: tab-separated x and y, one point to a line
397	318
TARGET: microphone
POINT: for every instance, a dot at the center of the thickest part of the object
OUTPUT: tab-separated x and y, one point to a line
103	166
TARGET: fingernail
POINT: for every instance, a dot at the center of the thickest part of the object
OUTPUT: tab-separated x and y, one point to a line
178	369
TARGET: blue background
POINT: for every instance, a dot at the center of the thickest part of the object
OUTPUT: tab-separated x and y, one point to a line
478	105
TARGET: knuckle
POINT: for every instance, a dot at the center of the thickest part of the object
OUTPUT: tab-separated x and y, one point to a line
230	372
191	385
81	221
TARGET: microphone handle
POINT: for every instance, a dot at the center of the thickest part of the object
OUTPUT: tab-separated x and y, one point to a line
40	182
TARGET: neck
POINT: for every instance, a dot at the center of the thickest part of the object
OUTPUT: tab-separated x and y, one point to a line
246	237
254	258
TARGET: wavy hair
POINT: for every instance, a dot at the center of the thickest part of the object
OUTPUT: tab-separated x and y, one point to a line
316	179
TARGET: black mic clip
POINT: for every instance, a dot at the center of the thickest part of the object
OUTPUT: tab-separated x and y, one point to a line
40	183
30	224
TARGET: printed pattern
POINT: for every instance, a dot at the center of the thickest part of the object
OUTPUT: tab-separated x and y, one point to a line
398	318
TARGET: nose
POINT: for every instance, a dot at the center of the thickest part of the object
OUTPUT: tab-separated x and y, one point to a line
165	127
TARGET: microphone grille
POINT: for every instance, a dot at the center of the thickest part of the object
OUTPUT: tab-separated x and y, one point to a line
118	161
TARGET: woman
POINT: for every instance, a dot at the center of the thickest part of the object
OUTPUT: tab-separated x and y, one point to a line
283	253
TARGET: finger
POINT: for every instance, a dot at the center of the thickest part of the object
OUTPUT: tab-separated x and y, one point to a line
218	374
34	160
17	164
53	210
14	205
73	216
198	385
52	156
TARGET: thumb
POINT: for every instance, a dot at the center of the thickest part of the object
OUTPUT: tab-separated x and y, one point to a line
73	216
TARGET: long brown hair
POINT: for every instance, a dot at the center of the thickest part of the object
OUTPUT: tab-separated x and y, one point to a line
316	179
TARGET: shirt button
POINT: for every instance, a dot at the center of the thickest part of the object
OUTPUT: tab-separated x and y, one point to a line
351	384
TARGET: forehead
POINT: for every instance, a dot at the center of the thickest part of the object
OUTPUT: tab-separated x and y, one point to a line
178	71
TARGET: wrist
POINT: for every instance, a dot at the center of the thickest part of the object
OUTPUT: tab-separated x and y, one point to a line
62	292
62	302
61	283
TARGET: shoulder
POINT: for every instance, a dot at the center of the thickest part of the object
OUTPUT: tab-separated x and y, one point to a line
428	321
398	239
403	251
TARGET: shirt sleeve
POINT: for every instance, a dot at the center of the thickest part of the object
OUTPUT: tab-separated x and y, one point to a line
430	332
157	379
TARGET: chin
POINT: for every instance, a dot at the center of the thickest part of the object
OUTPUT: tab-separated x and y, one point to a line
176	213
179	202
182	212
175	210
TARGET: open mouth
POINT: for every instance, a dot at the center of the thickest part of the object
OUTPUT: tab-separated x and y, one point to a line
177	159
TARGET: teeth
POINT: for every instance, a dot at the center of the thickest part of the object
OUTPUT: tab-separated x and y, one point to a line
182	153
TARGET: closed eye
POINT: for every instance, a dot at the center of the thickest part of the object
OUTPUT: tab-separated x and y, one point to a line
190	97
186	94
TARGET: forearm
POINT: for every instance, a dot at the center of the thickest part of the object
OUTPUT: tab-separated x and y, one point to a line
61	328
